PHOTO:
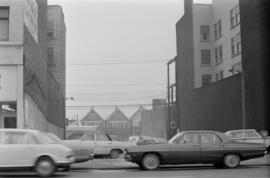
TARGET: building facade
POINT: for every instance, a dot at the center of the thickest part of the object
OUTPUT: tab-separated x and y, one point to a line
23	66
56	66
217	41
92	118
221	104
118	124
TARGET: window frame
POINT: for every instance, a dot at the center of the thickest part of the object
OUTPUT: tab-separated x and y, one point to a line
7	18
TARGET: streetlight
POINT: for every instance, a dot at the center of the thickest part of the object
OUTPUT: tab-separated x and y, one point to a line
243	96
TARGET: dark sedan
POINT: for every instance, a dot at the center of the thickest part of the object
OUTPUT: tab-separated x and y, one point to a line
191	147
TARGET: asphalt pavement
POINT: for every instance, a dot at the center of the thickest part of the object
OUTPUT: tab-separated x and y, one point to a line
119	168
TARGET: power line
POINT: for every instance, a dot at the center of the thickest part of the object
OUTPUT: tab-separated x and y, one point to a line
116	85
110	106
117	63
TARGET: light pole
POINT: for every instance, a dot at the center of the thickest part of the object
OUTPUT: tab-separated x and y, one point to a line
243	96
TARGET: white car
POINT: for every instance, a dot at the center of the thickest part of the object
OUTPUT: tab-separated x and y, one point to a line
249	135
142	140
25	148
104	145
83	151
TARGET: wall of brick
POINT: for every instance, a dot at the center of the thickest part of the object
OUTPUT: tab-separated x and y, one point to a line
35	60
255	55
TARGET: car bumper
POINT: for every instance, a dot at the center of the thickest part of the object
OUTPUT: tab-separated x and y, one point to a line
91	156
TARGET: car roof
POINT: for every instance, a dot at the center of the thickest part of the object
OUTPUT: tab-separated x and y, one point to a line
240	130
224	137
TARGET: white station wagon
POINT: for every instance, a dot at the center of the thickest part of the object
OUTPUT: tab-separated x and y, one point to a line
23	148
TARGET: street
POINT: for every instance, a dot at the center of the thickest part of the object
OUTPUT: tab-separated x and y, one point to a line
117	168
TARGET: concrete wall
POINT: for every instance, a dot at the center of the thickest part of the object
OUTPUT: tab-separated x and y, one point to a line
154	122
255	47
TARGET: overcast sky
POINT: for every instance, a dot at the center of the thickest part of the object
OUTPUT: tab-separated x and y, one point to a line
117	50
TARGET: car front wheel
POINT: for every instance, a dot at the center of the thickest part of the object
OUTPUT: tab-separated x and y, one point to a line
45	167
150	162
231	160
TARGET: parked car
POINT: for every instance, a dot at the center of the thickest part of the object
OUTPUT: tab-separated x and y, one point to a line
190	147
249	135
30	149
141	140
104	145
82	151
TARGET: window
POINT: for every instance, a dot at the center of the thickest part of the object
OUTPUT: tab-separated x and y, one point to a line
221	74
206	56
215	31
92	115
206	79
50	55
189	138
117	115
4	23
50	27
216	55
218	29
209	138
236	44
235	16
220	53
217	76
205	33
14	138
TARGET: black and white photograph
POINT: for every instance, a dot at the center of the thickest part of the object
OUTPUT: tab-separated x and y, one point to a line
134	88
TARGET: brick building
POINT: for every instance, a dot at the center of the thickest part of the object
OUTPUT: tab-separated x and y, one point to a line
23	67
218	104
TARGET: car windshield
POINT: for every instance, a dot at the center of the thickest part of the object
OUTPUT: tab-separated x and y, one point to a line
175	137
52	137
44	139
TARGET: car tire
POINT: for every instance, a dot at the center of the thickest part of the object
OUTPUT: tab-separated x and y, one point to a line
150	161
231	160
115	154
45	167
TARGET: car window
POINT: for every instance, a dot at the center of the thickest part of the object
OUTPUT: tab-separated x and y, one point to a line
189	138
30	139
14	138
251	134
102	137
210	138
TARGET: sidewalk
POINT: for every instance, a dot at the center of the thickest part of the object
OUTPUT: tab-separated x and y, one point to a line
258	161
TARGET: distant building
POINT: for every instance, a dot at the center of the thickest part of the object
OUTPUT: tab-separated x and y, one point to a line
24	82
217	41
118	124
136	121
154	122
92	118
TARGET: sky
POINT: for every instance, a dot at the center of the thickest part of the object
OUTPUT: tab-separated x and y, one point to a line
116	52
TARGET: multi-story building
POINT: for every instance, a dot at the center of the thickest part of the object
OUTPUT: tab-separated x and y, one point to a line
92	118
23	66
56	65
217	41
118	124
240	99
